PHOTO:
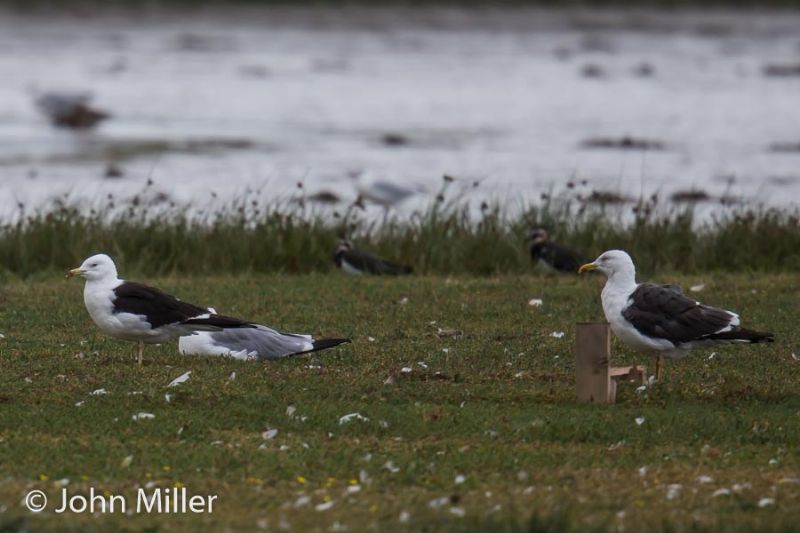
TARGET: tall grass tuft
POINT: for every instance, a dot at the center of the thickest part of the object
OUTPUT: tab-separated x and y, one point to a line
450	236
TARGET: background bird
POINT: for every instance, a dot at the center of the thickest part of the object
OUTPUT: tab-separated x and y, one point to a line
660	319
256	342
135	312
357	262
70	109
552	256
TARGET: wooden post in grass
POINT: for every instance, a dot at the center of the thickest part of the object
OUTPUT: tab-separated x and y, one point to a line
595	378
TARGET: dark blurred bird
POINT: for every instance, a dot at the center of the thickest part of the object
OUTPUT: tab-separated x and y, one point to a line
357	262
552	256
69	110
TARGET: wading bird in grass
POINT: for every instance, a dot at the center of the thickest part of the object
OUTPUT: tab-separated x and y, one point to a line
660	319
550	255
354	261
135	312
70	110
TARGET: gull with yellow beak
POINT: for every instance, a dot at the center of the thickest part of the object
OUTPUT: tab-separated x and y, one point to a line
660	319
135	312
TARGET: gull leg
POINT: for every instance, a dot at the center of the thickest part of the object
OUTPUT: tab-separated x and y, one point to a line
141	352
659	367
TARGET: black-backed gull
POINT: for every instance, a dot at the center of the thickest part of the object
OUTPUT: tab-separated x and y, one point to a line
660	319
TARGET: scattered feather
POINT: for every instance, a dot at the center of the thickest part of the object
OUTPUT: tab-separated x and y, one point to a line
535	302
642	388
180	379
712	356
143	416
697	288
371	339
80	403
290	411
406	370
673	491
642	471
460	479
404	517
389	465
168	397
764	502
352	489
458	511
232	376
99	392
721	492
439	502
403	300
269	434
352	416
126	462
324	506
705	479
639	420
557	334
302	500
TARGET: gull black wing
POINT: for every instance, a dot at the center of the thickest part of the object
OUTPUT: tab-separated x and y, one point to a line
663	312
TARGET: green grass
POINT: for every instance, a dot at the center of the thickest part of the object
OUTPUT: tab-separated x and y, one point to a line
448	237
501	412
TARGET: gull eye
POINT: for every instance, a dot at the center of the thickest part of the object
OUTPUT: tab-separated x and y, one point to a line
93	265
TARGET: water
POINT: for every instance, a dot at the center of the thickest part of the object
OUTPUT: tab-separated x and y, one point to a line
226	101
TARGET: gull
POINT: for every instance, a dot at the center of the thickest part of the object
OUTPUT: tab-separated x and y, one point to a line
135	312
660	319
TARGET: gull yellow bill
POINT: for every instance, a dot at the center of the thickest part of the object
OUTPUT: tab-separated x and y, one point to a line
75	272
588	267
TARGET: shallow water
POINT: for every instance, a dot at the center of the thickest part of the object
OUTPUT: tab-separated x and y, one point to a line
228	101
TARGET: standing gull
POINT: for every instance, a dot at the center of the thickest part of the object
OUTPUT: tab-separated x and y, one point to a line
135	312
551	255
659	319
354	261
256	342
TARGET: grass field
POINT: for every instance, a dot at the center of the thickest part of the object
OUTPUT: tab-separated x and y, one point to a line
482	434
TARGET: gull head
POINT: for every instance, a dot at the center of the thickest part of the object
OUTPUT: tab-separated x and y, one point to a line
99	267
537	236
610	263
